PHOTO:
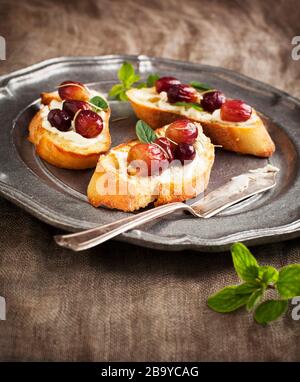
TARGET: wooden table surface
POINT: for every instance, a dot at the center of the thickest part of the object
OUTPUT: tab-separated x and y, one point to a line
120	302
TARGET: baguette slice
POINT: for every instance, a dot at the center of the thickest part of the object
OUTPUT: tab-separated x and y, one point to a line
250	137
58	149
132	192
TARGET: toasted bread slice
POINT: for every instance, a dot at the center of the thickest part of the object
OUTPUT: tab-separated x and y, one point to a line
66	149
132	192
250	137
46	98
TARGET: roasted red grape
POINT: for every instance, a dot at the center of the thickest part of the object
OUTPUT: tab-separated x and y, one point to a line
235	110
184	152
163	84
72	90
59	119
212	101
71	107
88	123
166	146
182	131
146	159
182	93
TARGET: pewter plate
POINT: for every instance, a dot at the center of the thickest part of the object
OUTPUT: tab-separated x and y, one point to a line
58	196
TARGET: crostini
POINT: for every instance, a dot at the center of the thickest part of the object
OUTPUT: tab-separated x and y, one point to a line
170	164
232	124
71	129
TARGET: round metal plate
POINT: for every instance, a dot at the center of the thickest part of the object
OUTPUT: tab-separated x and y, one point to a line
58	197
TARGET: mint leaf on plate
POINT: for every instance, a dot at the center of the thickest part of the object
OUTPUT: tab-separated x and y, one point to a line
99	103
141	85
116	90
189	105
200	85
126	72
144	132
127	77
152	78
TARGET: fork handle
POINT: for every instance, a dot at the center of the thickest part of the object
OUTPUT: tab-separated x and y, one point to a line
90	238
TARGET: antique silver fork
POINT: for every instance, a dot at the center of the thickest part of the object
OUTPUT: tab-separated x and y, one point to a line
236	190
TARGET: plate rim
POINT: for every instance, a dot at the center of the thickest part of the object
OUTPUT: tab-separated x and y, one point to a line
136	236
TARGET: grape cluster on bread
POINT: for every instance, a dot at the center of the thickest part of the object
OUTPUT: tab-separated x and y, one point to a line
76	108
211	100
176	145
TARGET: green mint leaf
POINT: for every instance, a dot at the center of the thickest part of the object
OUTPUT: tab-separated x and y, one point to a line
116	90
200	85
197	107
268	274
152	78
270	310
288	284
125	72
141	85
185	104
128	77
144	132
258	280
99	103
247	288
254	299
227	300
131	80
244	262
189	105
123	96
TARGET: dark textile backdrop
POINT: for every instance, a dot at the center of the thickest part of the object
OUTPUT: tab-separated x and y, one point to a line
119	302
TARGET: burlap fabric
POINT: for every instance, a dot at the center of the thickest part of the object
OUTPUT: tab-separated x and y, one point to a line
119	302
